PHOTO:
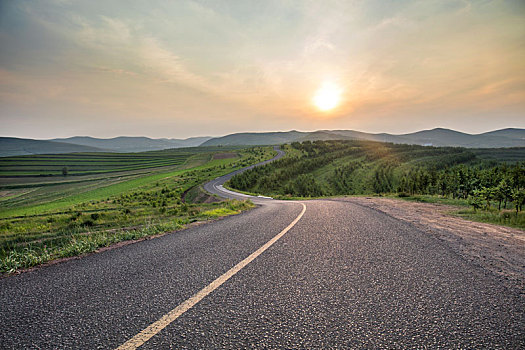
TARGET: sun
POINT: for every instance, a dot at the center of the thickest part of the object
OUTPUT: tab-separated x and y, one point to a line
327	97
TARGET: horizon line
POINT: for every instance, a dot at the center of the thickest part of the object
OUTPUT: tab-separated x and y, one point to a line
263	132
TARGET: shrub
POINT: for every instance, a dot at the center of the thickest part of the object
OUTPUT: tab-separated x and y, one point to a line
476	202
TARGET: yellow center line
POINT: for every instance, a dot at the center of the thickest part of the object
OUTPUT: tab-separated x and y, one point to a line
171	316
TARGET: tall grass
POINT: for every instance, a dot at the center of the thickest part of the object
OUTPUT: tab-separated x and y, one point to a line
77	244
493	216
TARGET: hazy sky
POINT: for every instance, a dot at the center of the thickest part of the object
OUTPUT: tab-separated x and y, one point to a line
190	68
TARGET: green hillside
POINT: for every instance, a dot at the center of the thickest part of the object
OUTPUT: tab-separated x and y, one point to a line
326	168
493	179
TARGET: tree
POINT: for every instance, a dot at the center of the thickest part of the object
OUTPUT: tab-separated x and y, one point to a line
476	201
503	192
65	171
487	193
518	197
499	196
517	175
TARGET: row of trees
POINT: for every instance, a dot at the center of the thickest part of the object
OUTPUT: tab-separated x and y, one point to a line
323	168
499	184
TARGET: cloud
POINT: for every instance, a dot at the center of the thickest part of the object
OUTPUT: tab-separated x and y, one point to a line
229	61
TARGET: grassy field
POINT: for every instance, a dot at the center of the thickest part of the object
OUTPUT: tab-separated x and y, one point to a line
45	220
74	164
489	181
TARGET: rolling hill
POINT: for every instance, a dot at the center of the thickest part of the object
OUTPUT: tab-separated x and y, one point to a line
446	137
256	138
435	137
509	132
12	146
134	144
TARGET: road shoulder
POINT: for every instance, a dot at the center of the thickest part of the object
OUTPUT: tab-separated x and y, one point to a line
496	248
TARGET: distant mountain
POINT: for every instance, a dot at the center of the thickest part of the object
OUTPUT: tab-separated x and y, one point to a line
255	138
12	146
359	135
189	142
510	132
134	144
434	137
446	137
320	135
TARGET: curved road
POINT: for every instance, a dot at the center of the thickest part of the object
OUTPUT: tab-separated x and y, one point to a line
216	186
311	274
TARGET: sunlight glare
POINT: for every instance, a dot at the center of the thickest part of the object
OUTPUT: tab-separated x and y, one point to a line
327	96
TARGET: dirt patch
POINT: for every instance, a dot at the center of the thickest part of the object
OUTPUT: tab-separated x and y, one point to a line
198	196
8	194
224	155
496	248
203	197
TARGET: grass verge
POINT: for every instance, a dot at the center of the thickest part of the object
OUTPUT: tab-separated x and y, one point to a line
87	241
499	217
504	217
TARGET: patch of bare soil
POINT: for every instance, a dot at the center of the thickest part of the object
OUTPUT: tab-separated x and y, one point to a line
5	193
10	193
224	155
202	197
206	198
496	248
199	196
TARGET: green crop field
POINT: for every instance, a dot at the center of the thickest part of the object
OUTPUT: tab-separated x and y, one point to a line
491	181
135	195
74	164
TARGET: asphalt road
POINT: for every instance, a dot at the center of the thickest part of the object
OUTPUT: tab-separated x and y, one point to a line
216	186
344	276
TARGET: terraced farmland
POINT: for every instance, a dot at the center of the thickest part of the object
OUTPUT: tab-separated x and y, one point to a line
105	198
88	163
